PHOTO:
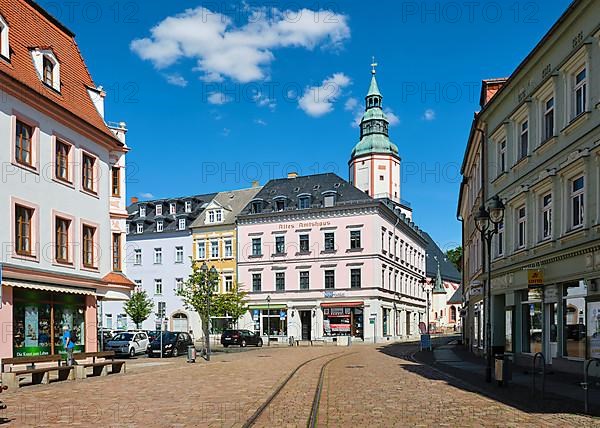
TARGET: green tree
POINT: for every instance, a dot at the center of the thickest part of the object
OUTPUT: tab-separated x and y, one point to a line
231	304
455	256
139	307
198	294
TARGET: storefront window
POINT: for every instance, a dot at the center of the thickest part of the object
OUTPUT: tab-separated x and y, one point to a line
219	325
343	321
386	322
574	320
532	321
594	329
274	322
508	328
31	330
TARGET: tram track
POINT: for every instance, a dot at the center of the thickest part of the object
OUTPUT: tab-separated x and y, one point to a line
268	409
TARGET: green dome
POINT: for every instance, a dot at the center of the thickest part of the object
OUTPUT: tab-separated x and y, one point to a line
375	143
374	113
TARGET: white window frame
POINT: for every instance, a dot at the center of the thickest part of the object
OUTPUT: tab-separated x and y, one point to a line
201	250
4	38
172	208
211	216
502	159
521	227
158	287
228	248
178	284
228	283
159	226
137	256
524	132
212	247
188	206
583	87
545	112
546	208
219	216
579	196
179	254
181	224
158	256
159	209
139	228
142	211
127	228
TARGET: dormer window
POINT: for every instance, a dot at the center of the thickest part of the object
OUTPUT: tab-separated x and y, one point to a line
219	215
256	207
329	199
303	202
280	205
140	228
4	40
159	226
215	216
172	208
188	206
142	211
181	224
159	209
47	67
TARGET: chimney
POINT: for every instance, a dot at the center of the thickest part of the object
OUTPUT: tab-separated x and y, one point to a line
292	174
134	200
255	184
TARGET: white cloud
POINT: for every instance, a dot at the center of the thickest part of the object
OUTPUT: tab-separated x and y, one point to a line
177	80
226	132
351	104
429	115
260	122
218	98
146	196
221	48
318	100
392	118
263	100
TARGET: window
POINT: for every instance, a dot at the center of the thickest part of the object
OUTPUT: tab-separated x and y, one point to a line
228	283
256	208
127	227
280	281
524	140
280	245
109	323
116	252
161	309
116	184
256	282
201	250
329	241
179	284
181	224
61	167
329	279
142	211
228	248
87	173
577	202
159	225
280	205
303	203
304	243
219	215
172	208
256	247
158	289
304	280
158	256
188	206
214	249
576	320
549	119
24	144
355	240
159	209
4	39
355	278
178	254
211	216
547	216
88	246
329	201
62	240
521	227
137	256
140	227
502	157
500	239
581	92
48	71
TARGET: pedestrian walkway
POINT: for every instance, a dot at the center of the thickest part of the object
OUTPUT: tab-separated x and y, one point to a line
561	389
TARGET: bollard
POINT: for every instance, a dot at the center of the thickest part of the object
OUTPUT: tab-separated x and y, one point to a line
191	354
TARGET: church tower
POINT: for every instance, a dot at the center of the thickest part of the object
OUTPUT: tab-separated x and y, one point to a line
375	162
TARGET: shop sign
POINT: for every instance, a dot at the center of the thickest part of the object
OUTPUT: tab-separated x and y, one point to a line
282	315
535	278
551	293
476	291
333	294
255	314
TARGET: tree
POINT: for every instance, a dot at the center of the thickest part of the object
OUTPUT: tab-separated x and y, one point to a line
198	294
139	307
231	304
455	256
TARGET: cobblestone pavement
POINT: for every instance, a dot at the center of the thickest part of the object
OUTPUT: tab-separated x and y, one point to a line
364	387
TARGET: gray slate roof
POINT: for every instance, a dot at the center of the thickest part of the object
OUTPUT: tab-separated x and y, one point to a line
232	202
170	221
447	268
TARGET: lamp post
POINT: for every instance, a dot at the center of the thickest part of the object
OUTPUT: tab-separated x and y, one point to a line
209	289
268	321
424	282
487	222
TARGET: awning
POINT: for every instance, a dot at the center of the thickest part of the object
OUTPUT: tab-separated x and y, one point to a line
265	307
342	305
49	287
113	295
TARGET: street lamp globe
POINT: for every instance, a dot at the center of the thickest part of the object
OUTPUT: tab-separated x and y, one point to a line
213	271
204	268
482	219
496	210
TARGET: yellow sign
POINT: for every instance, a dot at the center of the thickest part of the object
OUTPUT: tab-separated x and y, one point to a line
535	278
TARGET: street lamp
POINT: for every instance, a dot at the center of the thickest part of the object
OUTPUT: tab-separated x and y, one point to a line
204	269
487	222
268	321
424	282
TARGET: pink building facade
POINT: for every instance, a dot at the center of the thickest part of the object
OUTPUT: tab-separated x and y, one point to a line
338	267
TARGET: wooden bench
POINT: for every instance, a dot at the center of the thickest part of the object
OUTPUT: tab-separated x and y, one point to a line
99	368
12	378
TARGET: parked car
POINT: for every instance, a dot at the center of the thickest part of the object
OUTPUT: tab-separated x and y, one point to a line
242	338
153	334
128	343
173	344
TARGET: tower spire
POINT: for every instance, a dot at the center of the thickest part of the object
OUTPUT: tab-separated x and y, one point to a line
373	67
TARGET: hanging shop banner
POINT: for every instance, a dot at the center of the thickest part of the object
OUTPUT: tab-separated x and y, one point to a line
31	326
535	278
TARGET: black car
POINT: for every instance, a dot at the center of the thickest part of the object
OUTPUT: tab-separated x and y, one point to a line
240	337
173	344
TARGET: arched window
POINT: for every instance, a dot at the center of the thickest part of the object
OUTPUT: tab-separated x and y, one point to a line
4	40
452	314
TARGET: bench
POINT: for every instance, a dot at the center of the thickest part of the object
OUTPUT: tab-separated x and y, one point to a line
12	378
99	368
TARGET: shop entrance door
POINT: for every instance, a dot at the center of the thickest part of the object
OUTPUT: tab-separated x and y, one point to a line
305	320
552	332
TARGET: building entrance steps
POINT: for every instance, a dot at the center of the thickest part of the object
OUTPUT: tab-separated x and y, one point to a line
562	390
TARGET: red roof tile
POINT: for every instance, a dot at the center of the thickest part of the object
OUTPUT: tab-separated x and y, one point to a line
30	27
115	278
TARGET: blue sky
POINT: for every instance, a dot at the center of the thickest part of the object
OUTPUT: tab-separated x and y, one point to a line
217	94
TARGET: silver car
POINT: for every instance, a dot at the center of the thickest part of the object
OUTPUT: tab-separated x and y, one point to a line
128	343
